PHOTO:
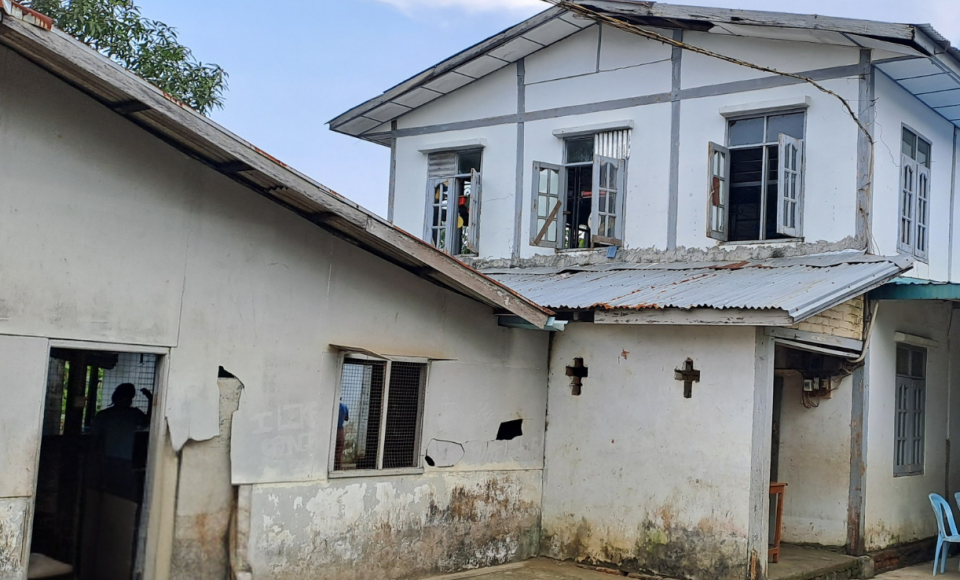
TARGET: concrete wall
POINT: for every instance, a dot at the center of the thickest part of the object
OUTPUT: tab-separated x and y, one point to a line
897	508
122	239
595	66
815	464
638	476
896	107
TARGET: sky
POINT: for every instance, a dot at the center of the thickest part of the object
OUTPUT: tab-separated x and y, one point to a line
294	66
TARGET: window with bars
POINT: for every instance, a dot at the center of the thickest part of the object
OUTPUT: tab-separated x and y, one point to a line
379	415
755	183
910	418
914	233
453	201
579	204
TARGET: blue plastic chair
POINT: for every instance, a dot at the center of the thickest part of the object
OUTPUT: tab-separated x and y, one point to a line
941	508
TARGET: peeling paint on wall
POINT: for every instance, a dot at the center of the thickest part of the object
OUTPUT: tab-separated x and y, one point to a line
396	528
13	515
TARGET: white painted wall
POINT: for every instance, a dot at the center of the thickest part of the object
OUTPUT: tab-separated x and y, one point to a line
635	472
595	66
122	239
896	107
815	465
491	96
897	508
701	70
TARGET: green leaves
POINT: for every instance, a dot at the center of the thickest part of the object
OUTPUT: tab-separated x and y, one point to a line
147	47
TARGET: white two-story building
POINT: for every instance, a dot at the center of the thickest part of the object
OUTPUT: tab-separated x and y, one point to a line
717	201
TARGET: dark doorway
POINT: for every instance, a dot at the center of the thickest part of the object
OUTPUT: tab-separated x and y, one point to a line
93	460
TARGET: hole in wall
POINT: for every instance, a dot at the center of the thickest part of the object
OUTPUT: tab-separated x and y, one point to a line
510	430
223	373
429	460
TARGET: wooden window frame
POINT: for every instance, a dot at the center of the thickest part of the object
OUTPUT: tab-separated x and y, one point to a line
913	217
909	428
794	232
346	355
536	239
453	180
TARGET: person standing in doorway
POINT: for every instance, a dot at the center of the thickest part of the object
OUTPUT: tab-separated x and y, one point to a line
114	430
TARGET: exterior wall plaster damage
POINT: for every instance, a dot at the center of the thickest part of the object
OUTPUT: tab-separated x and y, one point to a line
638	477
401	527
13	530
205	499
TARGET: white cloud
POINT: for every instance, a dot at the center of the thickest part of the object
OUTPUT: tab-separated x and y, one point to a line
528	6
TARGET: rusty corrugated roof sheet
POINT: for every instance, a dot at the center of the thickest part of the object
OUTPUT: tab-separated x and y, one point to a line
801	287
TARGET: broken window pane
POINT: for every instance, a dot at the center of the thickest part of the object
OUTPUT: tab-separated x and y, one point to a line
791	124
746	132
468	161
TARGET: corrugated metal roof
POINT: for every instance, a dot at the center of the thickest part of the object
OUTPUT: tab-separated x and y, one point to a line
801	287
31	35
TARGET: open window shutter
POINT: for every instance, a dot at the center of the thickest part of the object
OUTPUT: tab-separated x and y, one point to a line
473	233
922	214
718	190
790	186
546	213
605	201
440	167
908	194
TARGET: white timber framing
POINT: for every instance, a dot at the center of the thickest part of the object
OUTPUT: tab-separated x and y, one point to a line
759	523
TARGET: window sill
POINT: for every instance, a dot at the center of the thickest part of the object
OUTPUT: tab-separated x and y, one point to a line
913	474
761	242
914	256
374	473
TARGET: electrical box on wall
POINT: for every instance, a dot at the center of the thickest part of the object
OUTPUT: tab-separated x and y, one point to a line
811	385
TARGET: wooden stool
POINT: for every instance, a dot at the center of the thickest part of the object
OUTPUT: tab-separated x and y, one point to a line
777	490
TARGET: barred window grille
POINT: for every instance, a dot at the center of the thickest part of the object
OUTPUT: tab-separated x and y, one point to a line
908	453
379	414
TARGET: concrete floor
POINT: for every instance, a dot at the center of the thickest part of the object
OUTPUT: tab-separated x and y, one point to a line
924	571
798	563
535	569
795	564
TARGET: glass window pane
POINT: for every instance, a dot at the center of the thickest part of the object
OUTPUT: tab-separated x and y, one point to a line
917	366
746	132
903	361
909	144
580	150
923	153
468	160
791	125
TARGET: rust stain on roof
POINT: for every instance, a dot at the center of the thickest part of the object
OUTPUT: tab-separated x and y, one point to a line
28	15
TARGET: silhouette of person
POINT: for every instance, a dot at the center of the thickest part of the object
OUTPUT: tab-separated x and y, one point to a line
113	431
